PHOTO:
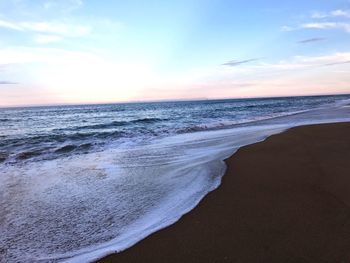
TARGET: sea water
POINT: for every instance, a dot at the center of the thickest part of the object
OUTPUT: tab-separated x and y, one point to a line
80	182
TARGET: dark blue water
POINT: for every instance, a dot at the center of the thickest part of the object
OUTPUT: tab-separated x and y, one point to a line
50	132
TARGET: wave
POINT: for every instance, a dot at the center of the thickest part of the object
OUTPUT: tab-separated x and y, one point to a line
111	125
95	127
71	147
102	126
27	155
46	153
66	149
148	120
54	139
342	103
52	146
3	157
201	127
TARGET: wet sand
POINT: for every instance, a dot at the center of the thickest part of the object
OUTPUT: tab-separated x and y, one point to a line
286	199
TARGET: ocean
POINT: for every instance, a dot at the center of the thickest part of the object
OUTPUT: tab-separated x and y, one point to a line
80	182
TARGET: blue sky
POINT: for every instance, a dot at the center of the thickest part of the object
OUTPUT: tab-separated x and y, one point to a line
84	51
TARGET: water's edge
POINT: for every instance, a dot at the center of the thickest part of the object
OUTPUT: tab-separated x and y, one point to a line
95	256
110	252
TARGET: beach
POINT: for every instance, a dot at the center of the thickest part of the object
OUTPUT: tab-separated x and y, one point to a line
93	180
286	199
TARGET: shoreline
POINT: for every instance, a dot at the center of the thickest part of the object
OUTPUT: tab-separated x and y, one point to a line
285	199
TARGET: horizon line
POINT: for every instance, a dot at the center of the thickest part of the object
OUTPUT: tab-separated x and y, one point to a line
58	104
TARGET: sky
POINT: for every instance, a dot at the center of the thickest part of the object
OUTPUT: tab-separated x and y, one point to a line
90	51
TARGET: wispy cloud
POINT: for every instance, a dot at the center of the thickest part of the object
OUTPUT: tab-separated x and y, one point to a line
311	62
334	13
339	12
328	25
338	63
311	40
59	28
336	19
298	74
2	82
325	60
287	28
234	63
294	64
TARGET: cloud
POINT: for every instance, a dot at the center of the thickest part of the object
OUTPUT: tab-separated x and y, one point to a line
328	25
325	60
334	13
2	82
234	63
338	63
59	28
9	25
318	15
311	40
336	19
287	28
334	58
339	12
293	64
296	75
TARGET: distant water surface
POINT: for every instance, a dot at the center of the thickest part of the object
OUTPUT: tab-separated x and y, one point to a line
79	182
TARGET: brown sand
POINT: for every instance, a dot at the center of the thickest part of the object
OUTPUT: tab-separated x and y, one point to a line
286	199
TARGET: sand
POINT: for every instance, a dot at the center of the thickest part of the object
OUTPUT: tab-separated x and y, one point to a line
286	199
